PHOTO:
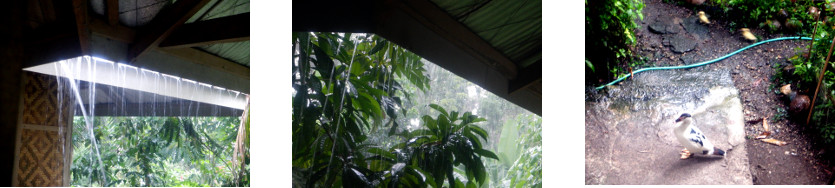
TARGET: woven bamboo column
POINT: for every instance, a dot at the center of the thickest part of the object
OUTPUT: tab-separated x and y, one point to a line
43	150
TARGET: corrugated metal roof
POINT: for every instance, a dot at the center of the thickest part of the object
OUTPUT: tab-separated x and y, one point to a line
237	52
133	13
136	13
217	9
512	27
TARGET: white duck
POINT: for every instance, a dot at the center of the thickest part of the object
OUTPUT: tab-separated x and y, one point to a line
693	139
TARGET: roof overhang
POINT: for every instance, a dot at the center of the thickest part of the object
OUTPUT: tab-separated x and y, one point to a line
145	92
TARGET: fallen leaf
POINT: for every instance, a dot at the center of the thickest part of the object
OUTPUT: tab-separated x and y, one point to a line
774	141
763	135
765	125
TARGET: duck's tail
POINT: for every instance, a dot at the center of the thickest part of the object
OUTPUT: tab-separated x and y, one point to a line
714	151
717	151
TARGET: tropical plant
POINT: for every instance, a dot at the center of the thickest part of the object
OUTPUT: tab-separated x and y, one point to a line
153	151
609	34
807	72
520	153
449	91
774	15
437	149
345	86
526	170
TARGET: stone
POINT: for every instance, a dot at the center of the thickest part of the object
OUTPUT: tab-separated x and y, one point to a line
664	26
680	43
689	58
639	115
698	30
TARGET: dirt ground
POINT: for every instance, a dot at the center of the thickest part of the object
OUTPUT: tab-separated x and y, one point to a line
799	162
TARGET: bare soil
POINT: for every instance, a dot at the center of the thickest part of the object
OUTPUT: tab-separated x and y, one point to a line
753	70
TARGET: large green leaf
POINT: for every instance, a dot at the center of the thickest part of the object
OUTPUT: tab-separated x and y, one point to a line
377	47
508	144
382	152
486	153
440	109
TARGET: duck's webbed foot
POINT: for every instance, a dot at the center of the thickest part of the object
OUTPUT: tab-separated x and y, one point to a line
685	154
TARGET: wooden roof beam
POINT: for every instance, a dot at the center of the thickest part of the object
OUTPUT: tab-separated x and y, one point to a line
82	25
116	32
437	20
203	58
225	29
334	16
112	12
527	77
168	20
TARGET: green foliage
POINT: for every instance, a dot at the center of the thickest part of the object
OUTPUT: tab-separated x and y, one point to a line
153	151
774	15
526	171
825	116
520	158
434	151
448	92
609	34
394	151
345	86
509	149
807	70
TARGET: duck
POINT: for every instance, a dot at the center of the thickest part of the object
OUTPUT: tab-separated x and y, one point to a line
693	139
746	33
703	18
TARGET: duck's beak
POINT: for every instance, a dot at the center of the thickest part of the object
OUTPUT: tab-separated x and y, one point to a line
679	119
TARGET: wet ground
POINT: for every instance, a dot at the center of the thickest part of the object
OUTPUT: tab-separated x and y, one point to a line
629	137
669	35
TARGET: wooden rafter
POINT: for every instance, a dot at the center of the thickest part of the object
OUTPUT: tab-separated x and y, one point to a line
115	32
112	12
163	25
221	30
209	60
527	77
81	22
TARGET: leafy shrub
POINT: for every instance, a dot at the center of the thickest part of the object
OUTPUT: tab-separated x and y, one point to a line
609	34
825	116
348	87
807	69
526	170
520	153
775	15
433	152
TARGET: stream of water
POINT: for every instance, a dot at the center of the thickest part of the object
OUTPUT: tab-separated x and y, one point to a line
98	88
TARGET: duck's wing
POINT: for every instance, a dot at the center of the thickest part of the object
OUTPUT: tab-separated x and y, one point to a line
695	136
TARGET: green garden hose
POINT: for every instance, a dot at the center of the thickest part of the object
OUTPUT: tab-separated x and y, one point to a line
702	63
